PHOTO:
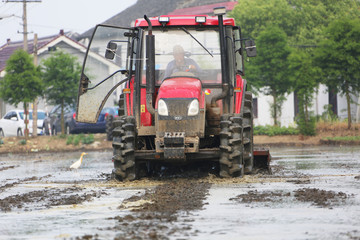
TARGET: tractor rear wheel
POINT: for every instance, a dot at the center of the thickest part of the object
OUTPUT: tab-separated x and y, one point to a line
124	148
248	133
231	146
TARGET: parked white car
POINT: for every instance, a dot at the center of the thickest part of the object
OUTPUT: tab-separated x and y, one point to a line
12	124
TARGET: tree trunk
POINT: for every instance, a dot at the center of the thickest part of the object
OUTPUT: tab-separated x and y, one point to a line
26	121
358	111
348	108
62	118
34	113
275	110
306	111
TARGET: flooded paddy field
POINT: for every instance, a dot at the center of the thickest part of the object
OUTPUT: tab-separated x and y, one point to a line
312	193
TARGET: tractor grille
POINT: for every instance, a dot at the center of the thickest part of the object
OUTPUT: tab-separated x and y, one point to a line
178	121
178	106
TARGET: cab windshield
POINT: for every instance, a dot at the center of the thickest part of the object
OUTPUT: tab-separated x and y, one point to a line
187	52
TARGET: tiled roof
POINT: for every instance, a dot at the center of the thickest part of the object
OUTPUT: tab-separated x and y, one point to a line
205	9
8	49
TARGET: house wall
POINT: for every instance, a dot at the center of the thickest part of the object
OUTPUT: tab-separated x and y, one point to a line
320	100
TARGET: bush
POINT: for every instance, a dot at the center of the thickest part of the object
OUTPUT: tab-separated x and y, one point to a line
88	139
275	130
328	115
69	139
307	128
76	139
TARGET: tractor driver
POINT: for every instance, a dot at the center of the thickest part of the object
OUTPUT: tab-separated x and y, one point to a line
180	63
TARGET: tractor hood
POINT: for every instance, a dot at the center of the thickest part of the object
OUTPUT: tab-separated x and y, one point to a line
181	87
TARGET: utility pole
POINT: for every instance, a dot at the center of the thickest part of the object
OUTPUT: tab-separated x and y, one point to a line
34	111
24	18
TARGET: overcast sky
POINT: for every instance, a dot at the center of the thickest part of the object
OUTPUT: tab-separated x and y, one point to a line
49	16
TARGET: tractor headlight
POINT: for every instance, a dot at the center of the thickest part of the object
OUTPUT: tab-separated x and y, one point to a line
162	108
193	108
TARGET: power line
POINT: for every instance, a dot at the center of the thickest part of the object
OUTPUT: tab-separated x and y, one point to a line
25	32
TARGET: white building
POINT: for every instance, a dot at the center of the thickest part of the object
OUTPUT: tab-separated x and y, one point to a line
262	107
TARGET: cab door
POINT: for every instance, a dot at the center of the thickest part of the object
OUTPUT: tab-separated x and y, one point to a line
107	66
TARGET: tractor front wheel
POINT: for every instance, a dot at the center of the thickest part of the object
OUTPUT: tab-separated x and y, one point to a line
124	137
231	146
248	133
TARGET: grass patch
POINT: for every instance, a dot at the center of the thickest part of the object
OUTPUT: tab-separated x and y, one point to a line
76	139
275	130
62	136
344	138
69	139
322	126
89	139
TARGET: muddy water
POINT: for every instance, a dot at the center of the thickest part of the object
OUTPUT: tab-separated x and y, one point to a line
313	193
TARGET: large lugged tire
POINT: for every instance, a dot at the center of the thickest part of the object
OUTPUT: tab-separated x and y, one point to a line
248	133
124	137
231	146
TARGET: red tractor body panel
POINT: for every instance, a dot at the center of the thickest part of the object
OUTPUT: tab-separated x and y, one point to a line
182	88
184	20
238	92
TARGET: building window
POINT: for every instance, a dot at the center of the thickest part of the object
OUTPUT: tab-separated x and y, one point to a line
255	107
296	104
333	101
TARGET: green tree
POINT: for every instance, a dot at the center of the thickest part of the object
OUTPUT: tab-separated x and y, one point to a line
61	73
22	82
255	16
302	20
338	56
303	76
268	69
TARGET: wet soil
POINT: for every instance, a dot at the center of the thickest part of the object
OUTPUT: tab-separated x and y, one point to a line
320	198
153	211
317	197
307	187
46	198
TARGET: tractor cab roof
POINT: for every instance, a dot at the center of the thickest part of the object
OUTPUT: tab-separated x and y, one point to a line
183	20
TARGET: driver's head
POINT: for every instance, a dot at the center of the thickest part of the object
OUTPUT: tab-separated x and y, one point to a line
179	54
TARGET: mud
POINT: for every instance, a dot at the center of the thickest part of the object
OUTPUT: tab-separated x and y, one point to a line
255	196
320	198
317	197
47	199
154	210
311	194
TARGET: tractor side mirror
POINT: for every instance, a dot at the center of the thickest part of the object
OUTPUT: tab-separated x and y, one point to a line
110	50
250	48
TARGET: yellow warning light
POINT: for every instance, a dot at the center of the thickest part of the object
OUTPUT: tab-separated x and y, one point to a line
126	90
237	89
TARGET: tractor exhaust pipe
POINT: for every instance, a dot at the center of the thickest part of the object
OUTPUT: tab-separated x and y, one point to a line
150	68
220	11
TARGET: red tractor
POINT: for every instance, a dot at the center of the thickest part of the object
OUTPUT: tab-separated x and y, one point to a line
183	94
